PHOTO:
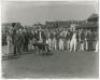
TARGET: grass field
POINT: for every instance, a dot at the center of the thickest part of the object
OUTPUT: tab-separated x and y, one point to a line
61	64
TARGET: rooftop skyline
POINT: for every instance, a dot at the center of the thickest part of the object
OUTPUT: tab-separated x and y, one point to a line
29	13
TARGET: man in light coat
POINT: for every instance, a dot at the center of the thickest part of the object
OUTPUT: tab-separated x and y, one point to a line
73	43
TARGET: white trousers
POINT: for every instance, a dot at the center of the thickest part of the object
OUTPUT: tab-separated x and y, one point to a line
49	43
54	44
82	46
73	45
97	47
86	42
9	47
61	44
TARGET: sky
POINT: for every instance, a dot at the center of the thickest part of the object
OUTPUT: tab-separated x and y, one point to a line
30	12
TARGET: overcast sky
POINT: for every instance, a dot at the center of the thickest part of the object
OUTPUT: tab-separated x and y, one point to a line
29	13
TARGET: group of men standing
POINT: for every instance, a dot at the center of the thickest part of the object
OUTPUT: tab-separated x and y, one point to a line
84	40
18	40
76	40
71	40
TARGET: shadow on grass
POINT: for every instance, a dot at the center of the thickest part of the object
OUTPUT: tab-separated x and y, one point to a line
10	57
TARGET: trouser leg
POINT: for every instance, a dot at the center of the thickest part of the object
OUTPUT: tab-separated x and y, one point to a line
71	45
26	47
55	47
62	45
59	46
15	50
68	45
86	45
96	50
75	45
83	46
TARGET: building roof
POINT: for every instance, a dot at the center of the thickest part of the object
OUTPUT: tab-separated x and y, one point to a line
88	25
93	17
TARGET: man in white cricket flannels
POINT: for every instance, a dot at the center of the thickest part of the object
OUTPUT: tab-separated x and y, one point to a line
73	42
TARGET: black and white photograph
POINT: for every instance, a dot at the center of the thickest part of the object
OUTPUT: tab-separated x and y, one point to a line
50	39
